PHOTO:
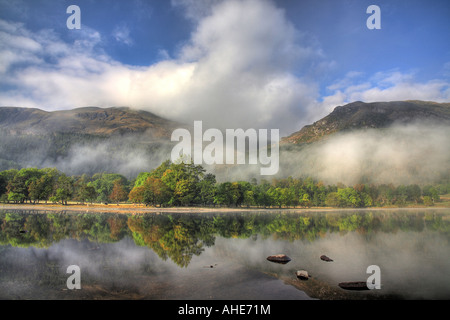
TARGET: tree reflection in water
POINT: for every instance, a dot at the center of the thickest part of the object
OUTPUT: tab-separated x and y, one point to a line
130	247
180	236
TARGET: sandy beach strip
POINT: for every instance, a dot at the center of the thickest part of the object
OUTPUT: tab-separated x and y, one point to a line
135	208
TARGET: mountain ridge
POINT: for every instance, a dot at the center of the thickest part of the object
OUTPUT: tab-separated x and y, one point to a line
121	120
374	115
88	120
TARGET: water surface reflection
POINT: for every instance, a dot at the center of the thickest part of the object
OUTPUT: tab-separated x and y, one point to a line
223	255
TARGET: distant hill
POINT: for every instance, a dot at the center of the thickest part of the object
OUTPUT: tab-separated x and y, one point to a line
84	140
359	115
89	120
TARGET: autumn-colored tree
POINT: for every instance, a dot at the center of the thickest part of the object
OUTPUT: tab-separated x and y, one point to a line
117	225
156	191
137	194
119	193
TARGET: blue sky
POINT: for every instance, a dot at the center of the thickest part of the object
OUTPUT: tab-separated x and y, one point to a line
231	63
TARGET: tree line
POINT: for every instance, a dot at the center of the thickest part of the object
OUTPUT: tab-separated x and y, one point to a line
180	184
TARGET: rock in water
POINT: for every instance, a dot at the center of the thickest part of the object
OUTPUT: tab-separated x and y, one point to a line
302	275
355	285
279	258
325	258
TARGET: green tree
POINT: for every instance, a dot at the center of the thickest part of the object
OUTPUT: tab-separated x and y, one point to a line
5	177
142	177
305	200
262	198
87	193
431	192
249	198
20	182
47	183
275	196
207	189
349	197
227	194
428	201
182	179
385	194
34	191
103	184
332	199
16	197
64	189
414	193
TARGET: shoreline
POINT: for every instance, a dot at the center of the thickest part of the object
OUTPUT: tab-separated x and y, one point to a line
130	208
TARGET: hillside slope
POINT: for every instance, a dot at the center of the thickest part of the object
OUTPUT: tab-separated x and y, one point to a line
89	120
377	115
84	140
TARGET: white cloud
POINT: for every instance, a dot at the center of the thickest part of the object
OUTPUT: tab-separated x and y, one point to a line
234	72
431	90
16	46
121	33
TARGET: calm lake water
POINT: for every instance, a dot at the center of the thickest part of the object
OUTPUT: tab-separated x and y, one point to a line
223	255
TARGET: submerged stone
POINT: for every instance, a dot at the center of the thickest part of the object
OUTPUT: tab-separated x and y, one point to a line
279	258
302	275
325	258
354	285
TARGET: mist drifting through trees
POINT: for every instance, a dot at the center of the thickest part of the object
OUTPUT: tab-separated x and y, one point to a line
180	184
